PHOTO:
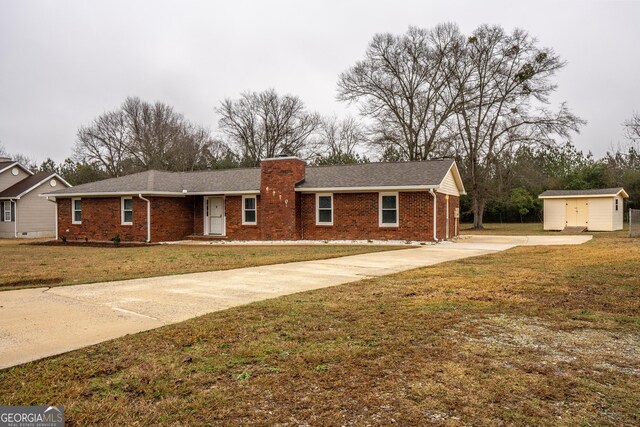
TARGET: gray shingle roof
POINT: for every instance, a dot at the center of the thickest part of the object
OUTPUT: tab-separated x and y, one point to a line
594	192
403	174
400	174
20	187
229	180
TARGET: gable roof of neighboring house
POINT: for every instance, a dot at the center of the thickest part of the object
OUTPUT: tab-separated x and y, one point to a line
369	176
4	165
601	192
25	186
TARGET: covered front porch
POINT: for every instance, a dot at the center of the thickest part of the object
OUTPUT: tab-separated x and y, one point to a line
225	216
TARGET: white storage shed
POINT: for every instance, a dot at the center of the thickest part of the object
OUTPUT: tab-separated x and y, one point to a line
595	210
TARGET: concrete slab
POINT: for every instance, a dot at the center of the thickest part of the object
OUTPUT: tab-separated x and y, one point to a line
36	323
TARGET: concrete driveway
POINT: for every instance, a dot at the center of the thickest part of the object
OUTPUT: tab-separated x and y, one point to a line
40	322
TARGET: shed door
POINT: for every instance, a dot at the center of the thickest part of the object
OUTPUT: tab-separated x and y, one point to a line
577	210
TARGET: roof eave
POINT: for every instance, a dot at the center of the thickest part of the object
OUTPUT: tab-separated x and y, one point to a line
17	164
148	193
365	188
587	196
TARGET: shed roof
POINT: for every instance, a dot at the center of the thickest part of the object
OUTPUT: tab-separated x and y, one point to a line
600	192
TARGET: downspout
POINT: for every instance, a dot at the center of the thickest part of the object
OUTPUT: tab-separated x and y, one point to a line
56	214
15	218
148	217
435	212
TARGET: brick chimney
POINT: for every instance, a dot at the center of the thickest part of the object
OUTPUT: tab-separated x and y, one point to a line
279	203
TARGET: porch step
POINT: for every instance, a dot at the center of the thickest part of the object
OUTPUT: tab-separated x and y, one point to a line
574	230
205	237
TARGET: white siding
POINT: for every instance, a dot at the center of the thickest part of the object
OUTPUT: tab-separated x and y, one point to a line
600	214
618	216
36	215
448	185
554	214
7	179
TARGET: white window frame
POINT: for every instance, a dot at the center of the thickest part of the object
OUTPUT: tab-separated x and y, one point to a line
4	211
617	204
73	210
386	224
255	198
318	195
122	221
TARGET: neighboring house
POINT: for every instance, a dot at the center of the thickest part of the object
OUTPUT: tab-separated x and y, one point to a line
22	212
282	200
595	210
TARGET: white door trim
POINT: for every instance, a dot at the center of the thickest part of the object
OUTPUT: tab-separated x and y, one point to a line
206	211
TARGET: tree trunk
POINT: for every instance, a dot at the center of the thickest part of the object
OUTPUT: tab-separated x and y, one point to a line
477	207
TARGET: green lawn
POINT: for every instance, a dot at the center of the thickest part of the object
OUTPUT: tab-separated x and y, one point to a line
36	265
530	336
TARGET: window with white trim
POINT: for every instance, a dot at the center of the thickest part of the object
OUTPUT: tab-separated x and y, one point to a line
249	210
324	209
127	211
617	204
6	212
388	204
76	211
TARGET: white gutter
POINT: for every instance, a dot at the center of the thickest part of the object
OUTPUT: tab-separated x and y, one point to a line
366	189
184	193
148	217
56	203
435	211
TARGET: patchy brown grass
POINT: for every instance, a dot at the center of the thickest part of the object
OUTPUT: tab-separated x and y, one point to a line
530	336
26	266
527	228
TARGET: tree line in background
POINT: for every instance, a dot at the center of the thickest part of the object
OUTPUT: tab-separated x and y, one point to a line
482	99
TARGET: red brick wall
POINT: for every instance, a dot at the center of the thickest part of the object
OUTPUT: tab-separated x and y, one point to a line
279	201
171	219
233	214
355	217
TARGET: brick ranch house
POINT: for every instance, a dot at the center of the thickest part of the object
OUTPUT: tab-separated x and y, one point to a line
283	199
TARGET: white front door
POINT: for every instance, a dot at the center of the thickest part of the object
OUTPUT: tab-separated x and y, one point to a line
216	216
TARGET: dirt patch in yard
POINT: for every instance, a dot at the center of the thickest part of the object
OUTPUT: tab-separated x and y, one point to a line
34	281
564	349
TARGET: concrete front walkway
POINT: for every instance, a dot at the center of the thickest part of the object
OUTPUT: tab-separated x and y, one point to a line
40	322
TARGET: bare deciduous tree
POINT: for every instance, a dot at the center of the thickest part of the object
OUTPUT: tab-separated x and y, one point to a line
105	141
265	124
632	128
504	84
402	84
338	140
141	136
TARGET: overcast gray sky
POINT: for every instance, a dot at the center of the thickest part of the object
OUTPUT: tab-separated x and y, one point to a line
62	63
